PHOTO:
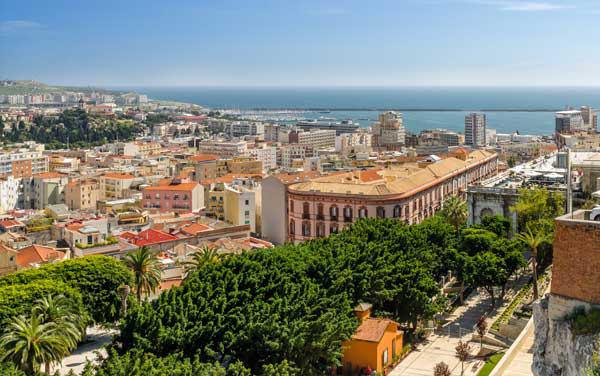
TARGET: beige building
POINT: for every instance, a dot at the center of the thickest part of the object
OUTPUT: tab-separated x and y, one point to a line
317	138
410	193
44	189
113	185
141	149
389	131
82	194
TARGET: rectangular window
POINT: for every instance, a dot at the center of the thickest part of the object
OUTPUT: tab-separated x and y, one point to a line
384	357
247	202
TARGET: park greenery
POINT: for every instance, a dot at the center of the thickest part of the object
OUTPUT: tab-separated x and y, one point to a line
285	310
93	280
74	127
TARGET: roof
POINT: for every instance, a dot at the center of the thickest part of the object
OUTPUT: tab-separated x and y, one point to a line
391	181
195	228
289	178
148	237
229	178
372	329
38	254
118	175
75	183
203	157
10	223
173	187
49	175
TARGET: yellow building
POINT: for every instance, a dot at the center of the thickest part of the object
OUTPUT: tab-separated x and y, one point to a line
8	260
374	345
244	165
113	184
82	194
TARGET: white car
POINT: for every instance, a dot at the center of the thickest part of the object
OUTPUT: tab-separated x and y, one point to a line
595	214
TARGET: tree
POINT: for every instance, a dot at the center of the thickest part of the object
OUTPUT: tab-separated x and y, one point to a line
455	211
29	343
497	224
441	369
146	270
533	240
486	270
206	255
534	205
463	351
481	330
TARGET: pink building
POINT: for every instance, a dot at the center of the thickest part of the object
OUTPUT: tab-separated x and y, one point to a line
175	197
409	193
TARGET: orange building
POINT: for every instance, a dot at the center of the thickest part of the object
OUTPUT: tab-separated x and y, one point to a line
374	344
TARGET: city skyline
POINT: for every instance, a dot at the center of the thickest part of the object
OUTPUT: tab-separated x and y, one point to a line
310	43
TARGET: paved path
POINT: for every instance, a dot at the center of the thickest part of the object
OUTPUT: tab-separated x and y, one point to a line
96	339
440	347
520	365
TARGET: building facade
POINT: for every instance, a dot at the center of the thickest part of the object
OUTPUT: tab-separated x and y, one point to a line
82	194
411	194
475	129
175	197
389	131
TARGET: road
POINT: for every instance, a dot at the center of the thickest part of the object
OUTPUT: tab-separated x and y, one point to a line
96	339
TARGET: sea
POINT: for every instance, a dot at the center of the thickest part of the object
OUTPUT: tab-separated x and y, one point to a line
526	110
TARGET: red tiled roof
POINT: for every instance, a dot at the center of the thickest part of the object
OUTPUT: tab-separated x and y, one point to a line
148	237
9	223
118	175
36	254
194	229
203	157
174	187
369	175
372	329
49	175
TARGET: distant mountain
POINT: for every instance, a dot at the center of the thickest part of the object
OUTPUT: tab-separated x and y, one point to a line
23	87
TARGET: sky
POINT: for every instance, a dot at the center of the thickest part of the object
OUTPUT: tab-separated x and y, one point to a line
302	42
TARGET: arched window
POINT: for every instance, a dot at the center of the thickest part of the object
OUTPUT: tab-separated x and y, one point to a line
306	210
292	227
380	212
362	212
347	214
320	229
397	211
320	211
305	228
333	212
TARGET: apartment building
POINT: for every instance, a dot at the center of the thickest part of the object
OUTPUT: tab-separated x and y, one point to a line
23	162
245	128
293	155
267	155
141	149
475	129
43	189
178	197
223	149
590	118
10	190
389	131
114	184
317	138
82	194
410	193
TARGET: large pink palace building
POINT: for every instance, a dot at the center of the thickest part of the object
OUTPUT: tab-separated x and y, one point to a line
410	193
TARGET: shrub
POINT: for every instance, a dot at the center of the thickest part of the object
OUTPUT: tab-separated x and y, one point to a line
584	322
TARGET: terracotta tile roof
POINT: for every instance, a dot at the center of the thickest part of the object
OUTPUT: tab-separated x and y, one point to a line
75	183
174	187
195	228
148	237
9	223
288	178
372	329
118	175
203	157
37	254
49	175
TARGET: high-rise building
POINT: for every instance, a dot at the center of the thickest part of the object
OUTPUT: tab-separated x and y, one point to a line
569	121
590	118
389	130
475	124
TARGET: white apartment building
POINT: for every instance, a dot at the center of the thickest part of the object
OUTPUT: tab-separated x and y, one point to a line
475	125
242	205
10	189
389	130
15	99
114	184
317	138
43	189
294	152
223	149
23	162
570	121
246	128
266	154
347	141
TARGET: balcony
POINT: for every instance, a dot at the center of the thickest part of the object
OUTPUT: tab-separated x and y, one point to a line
333	218
320	217
305	216
348	219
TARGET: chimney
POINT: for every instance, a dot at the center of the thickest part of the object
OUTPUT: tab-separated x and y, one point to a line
363	311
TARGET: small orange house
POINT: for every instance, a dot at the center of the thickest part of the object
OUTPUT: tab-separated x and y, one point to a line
374	344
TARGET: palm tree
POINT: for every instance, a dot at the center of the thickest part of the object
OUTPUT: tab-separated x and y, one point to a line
533	240
146	269
206	255
455	211
29	342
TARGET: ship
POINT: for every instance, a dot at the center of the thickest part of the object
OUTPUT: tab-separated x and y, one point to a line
344	126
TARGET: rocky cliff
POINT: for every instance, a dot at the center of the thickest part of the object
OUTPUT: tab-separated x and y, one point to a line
557	351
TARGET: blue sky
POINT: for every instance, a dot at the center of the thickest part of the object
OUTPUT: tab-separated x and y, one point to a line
308	43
